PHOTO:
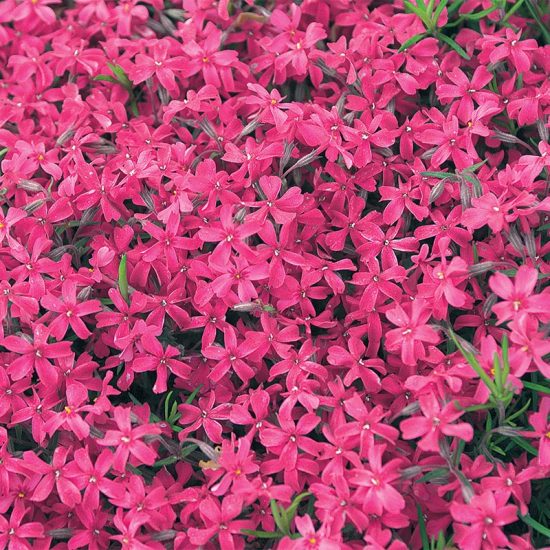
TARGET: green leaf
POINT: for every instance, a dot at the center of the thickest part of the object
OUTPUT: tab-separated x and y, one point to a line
186	451
262	534
441	542
474	167
452	44
106	78
459	451
123	278
167	405
524	445
422	527
165	462
512	10
435	473
533	10
192	396
277	516
429	8
440	175
3	152
134	399
121	76
505	359
438	11
291	510
418	12
474	364
536	387
412	41
518	413
133	105
498	371
476	16
543	530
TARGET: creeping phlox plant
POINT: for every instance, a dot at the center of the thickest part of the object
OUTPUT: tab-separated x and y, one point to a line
274	274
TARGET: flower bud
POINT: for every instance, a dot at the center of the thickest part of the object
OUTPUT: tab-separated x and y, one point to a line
30	186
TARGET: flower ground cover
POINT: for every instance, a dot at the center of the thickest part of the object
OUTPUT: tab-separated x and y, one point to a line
274	274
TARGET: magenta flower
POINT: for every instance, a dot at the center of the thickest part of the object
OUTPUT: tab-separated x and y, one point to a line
127	441
413	332
478	524
436	422
158	64
69	310
160	360
540	421
36	355
206	416
375	484
220	521
517	296
15	534
35	8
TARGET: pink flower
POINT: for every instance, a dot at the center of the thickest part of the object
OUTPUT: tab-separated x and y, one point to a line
220	521
206	415
127	441
38	8
478	524
540	421
375	483
16	534
69	310
36	355
437	421
518	295
413	332
311	538
283	209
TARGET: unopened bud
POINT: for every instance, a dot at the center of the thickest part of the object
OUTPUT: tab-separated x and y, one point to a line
84	294
60	533
148	200
207	128
66	135
409	473
482	267
57	253
543	130
167	534
437	190
240	215
503	136
167	24
178	15
33	206
489	303
287	153
465	195
408	410
530	244
30	186
246	307
103	147
428	154
508	431
88	216
250	127
515	240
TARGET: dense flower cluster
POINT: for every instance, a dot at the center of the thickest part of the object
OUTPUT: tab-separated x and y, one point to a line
273	274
